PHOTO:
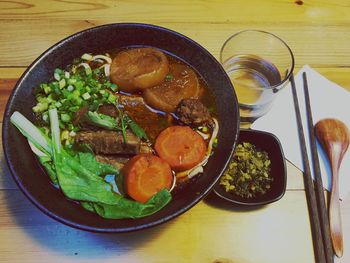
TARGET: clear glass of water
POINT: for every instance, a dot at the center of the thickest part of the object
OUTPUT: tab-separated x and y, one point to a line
259	65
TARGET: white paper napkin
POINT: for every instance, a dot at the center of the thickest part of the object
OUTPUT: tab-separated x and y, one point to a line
328	100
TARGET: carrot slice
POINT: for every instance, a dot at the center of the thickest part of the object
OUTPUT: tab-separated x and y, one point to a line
145	175
181	147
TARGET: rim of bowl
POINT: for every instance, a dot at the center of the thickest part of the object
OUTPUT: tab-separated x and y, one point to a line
112	229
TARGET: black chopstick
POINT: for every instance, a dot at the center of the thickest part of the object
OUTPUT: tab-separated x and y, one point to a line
322	210
309	187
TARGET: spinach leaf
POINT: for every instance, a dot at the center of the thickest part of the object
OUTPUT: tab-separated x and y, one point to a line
78	183
135	128
81	177
89	161
101	120
131	209
110	123
46	162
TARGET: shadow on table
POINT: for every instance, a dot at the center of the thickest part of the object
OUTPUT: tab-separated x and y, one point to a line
68	241
215	201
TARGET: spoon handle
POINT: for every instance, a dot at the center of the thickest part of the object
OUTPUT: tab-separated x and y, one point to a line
334	214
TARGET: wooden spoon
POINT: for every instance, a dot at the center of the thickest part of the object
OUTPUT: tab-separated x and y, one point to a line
334	137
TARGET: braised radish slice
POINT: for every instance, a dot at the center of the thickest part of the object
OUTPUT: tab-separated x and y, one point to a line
181	147
139	69
182	84
145	175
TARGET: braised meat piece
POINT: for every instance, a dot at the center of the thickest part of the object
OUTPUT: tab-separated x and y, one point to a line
109	142
150	121
79	116
192	112
116	161
109	110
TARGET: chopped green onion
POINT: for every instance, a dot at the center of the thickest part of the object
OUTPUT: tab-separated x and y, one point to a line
40	107
47	89
112	99
86	96
64	135
56	76
45	117
71	81
62	83
65	117
113	87
58	104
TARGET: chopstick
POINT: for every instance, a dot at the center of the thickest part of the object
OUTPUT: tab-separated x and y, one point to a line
309	187
322	210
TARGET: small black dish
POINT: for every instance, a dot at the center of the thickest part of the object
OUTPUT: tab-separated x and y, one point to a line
266	142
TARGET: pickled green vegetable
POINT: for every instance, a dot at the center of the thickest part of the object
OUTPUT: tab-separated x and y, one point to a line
249	172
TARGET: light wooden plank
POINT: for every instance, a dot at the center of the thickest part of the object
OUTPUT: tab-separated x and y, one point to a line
6	86
270	232
21	41
210	11
11	73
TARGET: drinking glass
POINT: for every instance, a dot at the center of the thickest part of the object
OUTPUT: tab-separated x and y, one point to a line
259	65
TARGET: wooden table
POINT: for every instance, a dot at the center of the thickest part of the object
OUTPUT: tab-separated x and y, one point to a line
318	33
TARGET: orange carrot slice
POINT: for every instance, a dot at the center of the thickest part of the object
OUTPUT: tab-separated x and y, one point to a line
181	147
145	175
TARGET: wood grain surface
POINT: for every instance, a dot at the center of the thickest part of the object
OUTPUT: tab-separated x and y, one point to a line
212	231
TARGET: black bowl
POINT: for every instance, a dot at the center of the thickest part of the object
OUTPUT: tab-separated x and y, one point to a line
269	143
31	178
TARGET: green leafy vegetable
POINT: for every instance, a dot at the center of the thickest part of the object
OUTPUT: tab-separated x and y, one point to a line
110	123
136	129
90	163
46	162
71	89
101	120
81	177
123	125
128	208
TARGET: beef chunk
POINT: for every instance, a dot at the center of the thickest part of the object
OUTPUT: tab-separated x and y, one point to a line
114	160
151	122
192	112
109	110
79	116
109	142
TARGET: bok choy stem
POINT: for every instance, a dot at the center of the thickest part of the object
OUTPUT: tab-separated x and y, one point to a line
32	133
55	130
